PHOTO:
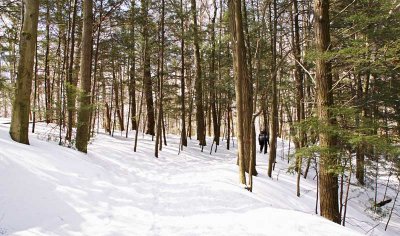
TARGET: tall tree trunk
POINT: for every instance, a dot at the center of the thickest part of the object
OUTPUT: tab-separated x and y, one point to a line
82	133
183	115
115	75
146	71
71	86
132	83
359	150
274	108
96	58
19	128
299	77
160	90
35	93
250	134
47	67
198	82
216	128
241	85
328	181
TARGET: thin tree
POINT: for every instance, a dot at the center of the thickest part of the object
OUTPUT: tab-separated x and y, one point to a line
70	88
274	110
47	85
299	76
160	89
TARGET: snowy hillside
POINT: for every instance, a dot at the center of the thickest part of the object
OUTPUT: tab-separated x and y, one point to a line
46	189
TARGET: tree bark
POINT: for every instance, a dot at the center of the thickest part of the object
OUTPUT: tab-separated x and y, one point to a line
132	83
160	90
148	85
216	126
274	108
198	81
359	150
82	133
95	82
71	86
328	181
19	128
241	86
47	85
183	113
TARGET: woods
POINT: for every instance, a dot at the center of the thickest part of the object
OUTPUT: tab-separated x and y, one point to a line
322	75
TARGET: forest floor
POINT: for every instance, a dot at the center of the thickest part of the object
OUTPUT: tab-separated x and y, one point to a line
46	189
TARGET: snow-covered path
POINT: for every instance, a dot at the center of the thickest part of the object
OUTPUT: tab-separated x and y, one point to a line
50	190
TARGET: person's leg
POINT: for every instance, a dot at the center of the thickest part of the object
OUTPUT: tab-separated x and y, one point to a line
266	148
261	147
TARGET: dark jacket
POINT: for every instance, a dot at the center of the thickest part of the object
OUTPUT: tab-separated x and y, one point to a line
263	138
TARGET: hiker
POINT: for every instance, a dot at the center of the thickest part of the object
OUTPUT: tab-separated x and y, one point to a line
263	140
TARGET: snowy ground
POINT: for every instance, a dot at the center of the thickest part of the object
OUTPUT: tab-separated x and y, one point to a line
46	189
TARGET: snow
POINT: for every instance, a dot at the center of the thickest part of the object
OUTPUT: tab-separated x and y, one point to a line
46	189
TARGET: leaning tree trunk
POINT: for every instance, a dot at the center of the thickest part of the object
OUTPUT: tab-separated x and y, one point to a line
19	128
328	181
198	82
82	133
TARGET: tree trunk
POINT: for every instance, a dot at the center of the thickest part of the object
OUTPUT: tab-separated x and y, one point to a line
96	58
274	109
242	86
117	97
198	82
183	132
160	89
35	93
47	67
298	74
19	128
328	181
148	87
359	150
132	83
216	126
71	85
82	133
